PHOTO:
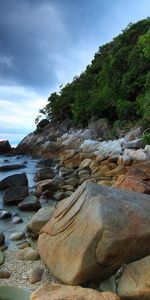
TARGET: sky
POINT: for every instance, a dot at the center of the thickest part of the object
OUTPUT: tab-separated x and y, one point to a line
44	44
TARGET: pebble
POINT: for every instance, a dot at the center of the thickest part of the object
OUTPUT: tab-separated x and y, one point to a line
4	214
4	274
28	254
1	258
2	238
16	220
35	275
23	245
17	236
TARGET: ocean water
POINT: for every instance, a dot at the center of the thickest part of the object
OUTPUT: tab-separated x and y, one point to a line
6	225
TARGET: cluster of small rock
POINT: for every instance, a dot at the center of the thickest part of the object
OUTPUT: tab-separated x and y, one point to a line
88	230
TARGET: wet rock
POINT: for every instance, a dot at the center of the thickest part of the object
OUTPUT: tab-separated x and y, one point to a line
45	173
16	220
15	194
28	254
4	214
35	275
5	146
4	274
45	163
65	292
30	203
11	167
40	219
14	180
79	246
17	236
2	238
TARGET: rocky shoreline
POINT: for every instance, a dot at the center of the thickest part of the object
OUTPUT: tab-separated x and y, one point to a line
100	227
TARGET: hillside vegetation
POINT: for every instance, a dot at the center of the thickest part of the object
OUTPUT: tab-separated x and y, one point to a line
116	85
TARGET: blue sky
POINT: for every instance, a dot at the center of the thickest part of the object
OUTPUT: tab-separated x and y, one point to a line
45	43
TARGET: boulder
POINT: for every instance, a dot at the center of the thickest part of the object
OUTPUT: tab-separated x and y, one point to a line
95	231
15	194
136	155
4	146
89	146
40	219
30	203
63	292
48	184
131	281
134	282
35	275
14	180
28	254
44	173
135	144
134	180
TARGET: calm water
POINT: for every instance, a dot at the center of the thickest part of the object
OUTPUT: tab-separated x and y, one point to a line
5	225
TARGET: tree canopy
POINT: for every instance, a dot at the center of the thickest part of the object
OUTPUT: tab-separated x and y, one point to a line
116	85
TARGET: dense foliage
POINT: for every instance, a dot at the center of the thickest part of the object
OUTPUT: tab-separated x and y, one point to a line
116	85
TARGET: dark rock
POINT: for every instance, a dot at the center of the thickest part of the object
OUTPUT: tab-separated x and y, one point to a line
4	146
45	163
35	274
14	180
30	203
44	173
4	214
11	167
4	275
16	220
2	238
15	194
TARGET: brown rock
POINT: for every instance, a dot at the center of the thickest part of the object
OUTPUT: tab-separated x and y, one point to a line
4	275
135	280
47	184
126	182
28	254
40	219
95	231
63	292
35	275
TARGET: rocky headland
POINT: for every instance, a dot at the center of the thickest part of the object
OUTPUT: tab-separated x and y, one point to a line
88	215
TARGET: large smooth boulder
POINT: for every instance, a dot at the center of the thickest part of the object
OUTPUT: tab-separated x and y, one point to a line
4	146
64	292
95	231
40	219
15	194
14	180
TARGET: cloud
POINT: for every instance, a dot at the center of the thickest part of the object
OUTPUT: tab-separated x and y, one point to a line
17	119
